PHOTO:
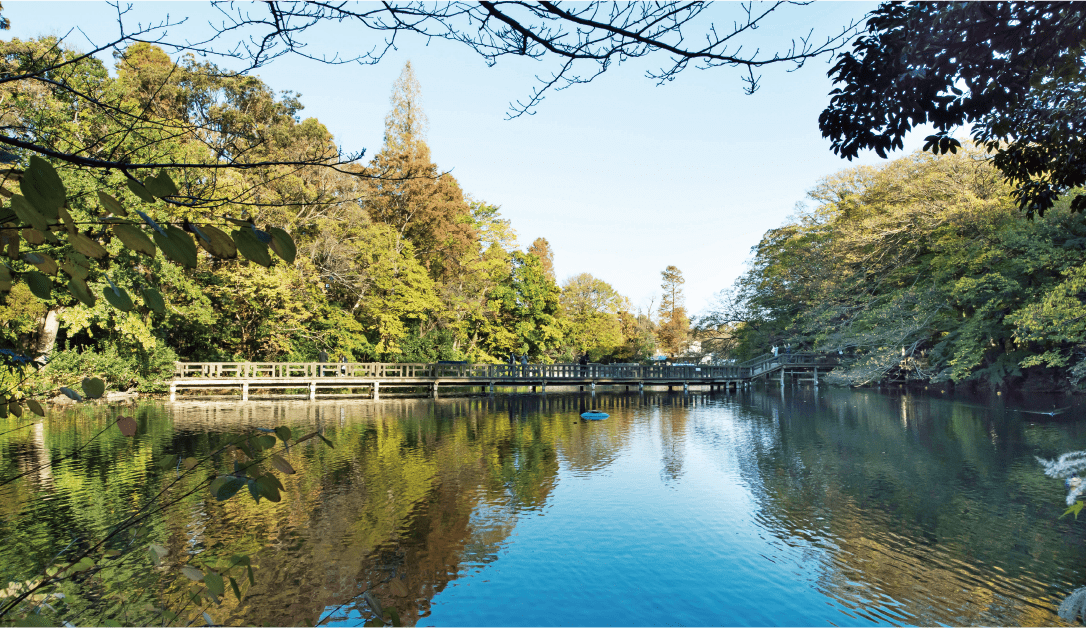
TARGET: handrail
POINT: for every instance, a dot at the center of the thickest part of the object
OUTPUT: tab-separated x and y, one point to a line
402	370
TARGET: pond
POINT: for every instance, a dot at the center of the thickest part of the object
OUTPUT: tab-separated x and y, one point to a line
801	507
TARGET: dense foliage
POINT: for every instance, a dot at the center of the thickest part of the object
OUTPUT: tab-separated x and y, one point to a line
921	269
386	261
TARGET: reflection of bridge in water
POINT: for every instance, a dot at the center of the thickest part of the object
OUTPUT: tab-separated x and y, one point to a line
370	378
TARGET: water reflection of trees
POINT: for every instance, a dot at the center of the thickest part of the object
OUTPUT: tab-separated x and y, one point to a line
922	510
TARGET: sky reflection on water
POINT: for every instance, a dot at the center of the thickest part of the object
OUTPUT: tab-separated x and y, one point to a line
804	508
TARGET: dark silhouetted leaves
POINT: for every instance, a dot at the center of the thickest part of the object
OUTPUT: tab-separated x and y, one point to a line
282	465
140	191
39	284
42	187
28	214
251	247
43	262
177	246
118	298
111	205
71	394
134	238
161	186
86	246
226	486
218	244
153	300
35	407
282	244
93	387
78	287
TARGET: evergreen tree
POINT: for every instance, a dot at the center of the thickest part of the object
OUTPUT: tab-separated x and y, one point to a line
674	326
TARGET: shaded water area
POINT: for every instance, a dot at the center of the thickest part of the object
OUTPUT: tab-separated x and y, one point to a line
802	507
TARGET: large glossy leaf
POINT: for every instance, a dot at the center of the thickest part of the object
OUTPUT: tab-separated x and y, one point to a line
39	284
177	246
283	244
268	486
82	243
251	247
78	287
214	583
135	239
118	298
153	300
43	188
15	408
28	214
111	204
218	244
93	387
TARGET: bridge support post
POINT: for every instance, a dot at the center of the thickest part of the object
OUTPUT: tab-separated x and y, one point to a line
433	390
543	387
816	377
592	386
492	388
312	391
640	386
686	387
245	391
375	391
173	391
782	378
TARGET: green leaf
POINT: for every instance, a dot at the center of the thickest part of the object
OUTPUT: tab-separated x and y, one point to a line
168	461
43	262
326	441
140	191
282	465
249	570
111	204
39	284
254	490
78	287
283	432
35	407
226	486
251	247
83	565
192	573
82	243
266	441
93	387
214	583
153	300
15	409
1075	508
282	244
71	394
190	463
118	298
43	188
393	616
161	186
135	239
218	243
268	486
28	214
235	588
177	246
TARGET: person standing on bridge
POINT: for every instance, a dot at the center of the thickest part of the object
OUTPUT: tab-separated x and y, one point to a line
524	365
774	350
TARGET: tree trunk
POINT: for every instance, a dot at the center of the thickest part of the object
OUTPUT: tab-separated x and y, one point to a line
48	328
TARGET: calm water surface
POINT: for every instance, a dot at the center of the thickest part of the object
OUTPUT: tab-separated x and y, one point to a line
829	507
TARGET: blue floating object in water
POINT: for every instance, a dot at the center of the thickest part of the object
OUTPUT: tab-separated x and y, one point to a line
594	416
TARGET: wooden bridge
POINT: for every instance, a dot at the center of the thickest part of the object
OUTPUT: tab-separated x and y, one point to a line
373	377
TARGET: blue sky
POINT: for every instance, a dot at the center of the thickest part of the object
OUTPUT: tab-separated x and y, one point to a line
622	176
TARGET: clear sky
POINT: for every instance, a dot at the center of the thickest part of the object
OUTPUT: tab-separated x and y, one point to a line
622	176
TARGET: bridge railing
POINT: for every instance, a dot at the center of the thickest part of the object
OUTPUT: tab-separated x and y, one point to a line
366	370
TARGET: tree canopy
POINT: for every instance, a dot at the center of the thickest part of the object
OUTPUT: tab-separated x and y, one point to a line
1013	72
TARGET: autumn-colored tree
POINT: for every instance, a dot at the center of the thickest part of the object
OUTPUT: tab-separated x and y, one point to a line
410	194
542	249
674	328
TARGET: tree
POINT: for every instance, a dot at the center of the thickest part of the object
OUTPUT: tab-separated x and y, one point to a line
542	249
524	312
1015	72
674	327
408	193
590	307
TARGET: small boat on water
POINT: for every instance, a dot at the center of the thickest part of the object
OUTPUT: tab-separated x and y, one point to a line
594	416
